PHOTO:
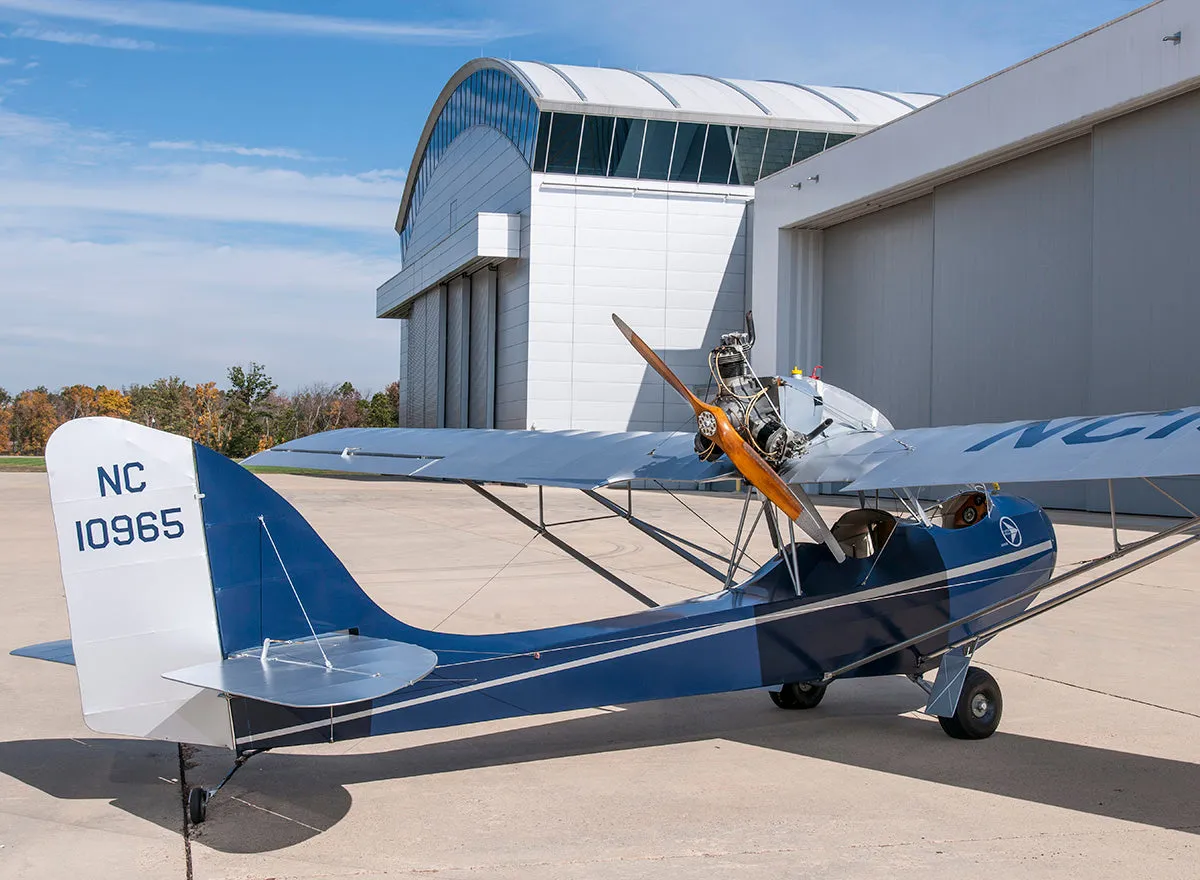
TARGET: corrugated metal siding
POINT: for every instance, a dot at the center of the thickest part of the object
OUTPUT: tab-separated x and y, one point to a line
457	350
482	371
414	413
876	309
1146	262
1063	283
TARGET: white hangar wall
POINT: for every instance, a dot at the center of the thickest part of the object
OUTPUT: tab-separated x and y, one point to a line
669	259
1048	272
543	198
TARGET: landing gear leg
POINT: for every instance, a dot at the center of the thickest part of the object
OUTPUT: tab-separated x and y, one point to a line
198	796
798	695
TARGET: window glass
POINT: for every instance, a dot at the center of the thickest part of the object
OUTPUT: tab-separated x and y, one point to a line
689	147
747	155
808	143
718	153
597	138
656	153
778	153
627	147
543	140
836	139
564	143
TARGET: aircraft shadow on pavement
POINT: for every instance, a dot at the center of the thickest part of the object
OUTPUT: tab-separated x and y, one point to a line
292	797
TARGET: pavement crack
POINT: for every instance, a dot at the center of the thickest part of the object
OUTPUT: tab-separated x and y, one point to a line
1081	687
183	800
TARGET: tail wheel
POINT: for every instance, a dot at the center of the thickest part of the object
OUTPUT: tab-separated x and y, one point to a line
798	695
197	805
979	708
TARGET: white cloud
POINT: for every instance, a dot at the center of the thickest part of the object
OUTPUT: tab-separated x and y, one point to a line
235	149
71	38
31	65
134	310
120	269
6	61
217	192
209	18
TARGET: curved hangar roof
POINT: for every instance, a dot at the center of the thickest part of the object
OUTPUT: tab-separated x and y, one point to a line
697	97
511	96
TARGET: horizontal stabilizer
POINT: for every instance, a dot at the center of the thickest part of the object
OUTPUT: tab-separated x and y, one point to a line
294	673
56	652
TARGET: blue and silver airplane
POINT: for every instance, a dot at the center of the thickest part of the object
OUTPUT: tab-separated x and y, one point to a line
204	609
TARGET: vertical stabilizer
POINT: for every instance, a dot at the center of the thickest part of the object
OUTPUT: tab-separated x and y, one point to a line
135	569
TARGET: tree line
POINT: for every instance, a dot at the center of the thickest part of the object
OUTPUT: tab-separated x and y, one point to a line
245	417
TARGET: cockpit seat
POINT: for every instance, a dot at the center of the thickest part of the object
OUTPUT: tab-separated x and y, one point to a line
863	533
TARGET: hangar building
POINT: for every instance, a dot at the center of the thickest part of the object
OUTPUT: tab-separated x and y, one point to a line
541	198
1026	248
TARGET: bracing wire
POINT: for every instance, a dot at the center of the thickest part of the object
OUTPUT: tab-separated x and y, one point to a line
320	648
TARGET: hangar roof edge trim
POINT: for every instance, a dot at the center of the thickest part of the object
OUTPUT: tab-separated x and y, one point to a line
673	96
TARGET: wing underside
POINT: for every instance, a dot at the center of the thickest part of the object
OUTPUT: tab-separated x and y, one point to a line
573	459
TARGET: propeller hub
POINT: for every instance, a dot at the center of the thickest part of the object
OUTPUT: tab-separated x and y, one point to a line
707	423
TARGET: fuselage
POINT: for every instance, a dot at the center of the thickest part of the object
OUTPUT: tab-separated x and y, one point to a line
759	633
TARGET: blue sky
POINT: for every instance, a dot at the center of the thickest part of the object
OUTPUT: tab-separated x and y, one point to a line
184	186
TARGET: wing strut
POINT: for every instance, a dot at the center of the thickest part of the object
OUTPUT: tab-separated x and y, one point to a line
564	546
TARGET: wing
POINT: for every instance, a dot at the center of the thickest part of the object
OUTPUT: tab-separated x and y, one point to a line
1139	444
573	459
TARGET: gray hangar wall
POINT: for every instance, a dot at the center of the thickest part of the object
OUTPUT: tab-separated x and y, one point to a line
1060	283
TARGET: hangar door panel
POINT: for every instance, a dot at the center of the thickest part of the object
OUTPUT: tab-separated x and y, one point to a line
1145	265
458	295
482	361
426	361
1012	295
875	325
1147	257
1012	289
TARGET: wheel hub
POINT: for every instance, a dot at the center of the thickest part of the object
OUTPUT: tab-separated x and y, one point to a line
980	705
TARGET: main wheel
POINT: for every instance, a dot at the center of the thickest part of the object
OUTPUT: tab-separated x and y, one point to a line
979	708
798	695
197	804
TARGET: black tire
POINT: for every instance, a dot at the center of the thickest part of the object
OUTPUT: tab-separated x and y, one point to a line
197	805
798	695
980	706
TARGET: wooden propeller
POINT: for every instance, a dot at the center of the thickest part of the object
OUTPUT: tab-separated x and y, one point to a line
714	424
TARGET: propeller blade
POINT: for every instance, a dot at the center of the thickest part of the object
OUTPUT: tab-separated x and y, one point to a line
721	431
660	367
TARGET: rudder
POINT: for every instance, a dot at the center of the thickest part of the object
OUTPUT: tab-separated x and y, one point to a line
135	569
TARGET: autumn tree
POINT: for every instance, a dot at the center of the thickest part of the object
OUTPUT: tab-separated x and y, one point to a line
112	402
76	402
383	408
205	406
248	409
34	419
162	404
5	422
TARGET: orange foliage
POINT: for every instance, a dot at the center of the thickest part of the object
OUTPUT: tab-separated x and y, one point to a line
112	402
204	414
37	419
